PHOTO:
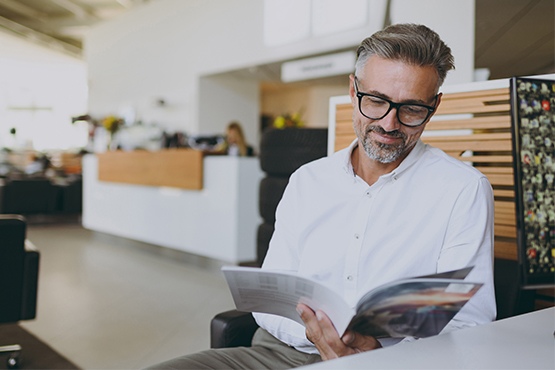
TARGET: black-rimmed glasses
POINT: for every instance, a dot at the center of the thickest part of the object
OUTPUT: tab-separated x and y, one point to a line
375	107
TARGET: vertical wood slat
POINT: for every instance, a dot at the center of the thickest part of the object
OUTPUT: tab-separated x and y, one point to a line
488	147
344	132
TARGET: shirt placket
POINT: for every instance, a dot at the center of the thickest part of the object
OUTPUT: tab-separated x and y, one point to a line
351	272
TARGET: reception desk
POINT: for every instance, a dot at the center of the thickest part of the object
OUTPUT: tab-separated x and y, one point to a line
218	221
179	168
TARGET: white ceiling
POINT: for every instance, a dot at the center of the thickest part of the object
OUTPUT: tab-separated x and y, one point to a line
513	37
60	23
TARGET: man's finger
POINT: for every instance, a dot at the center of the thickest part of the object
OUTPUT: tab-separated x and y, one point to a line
360	342
313	331
321	332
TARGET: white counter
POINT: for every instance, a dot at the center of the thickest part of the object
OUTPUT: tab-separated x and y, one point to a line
520	342
219	221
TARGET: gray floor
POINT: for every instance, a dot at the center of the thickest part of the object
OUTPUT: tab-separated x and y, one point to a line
109	303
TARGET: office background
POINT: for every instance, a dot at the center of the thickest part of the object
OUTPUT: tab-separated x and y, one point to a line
193	66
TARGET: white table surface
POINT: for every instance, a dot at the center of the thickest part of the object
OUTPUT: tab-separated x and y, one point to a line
520	342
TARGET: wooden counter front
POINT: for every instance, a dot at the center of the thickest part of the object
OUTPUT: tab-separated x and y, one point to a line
179	168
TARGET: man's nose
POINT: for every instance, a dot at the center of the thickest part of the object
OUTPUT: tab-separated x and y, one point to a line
390	121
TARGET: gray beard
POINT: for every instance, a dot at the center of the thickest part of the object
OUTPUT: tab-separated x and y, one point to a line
384	153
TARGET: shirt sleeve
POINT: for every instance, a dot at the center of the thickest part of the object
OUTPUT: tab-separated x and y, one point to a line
469	242
283	254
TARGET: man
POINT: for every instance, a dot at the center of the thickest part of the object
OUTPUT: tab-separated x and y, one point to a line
385	208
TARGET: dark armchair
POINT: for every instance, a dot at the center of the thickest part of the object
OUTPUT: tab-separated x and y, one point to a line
232	329
29	195
19	267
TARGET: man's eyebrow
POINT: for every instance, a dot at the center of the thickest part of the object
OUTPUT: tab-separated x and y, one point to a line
406	101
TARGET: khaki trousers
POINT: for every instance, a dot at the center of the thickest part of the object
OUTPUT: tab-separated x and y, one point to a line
266	352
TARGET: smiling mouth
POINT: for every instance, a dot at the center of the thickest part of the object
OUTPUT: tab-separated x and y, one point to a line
386	138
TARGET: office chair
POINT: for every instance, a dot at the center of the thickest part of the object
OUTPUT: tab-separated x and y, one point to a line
19	267
232	329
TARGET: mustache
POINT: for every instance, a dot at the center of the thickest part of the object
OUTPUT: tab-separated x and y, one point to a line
381	131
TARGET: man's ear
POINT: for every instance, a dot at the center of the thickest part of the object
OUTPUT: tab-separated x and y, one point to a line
352	90
438	100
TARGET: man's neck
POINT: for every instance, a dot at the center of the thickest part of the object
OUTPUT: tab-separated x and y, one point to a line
369	169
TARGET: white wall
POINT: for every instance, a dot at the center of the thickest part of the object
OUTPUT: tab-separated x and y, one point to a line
223	99
161	51
40	90
453	20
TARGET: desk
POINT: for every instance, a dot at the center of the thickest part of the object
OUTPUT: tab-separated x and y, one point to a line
179	168
520	342
219	221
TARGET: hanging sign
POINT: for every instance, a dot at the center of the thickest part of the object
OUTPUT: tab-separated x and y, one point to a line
324	66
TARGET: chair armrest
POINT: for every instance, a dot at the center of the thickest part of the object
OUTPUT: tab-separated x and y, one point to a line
232	329
30	247
30	282
2	195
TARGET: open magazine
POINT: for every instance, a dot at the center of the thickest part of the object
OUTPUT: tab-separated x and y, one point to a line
416	307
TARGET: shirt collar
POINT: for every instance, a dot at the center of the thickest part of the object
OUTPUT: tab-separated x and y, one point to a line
347	165
413	156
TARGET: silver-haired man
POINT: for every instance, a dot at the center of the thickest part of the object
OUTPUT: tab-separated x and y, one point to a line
385	208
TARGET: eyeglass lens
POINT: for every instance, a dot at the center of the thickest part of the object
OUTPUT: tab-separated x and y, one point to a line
376	108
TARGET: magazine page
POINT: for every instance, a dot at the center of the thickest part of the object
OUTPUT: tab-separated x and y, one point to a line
279	292
414	307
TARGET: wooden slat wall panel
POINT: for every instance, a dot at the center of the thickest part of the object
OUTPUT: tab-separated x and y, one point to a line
505	250
504	170
505	206
489	148
507	180
504	193
344	133
476	123
474	109
344	112
474	137
472	94
505	231
488	159
475	102
505	220
345	128
479	146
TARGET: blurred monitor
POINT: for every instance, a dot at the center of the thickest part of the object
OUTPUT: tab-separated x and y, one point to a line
533	132
206	143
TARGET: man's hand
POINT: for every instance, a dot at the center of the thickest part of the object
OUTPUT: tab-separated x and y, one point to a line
321	332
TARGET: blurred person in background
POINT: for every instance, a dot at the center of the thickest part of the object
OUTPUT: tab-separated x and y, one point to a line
236	144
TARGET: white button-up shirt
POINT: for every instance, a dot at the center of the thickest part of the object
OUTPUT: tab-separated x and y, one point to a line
431	214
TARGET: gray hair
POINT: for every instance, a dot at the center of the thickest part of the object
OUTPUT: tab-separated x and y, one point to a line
410	43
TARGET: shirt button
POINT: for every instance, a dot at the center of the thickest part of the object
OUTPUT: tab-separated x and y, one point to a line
350	277
368	194
357	236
